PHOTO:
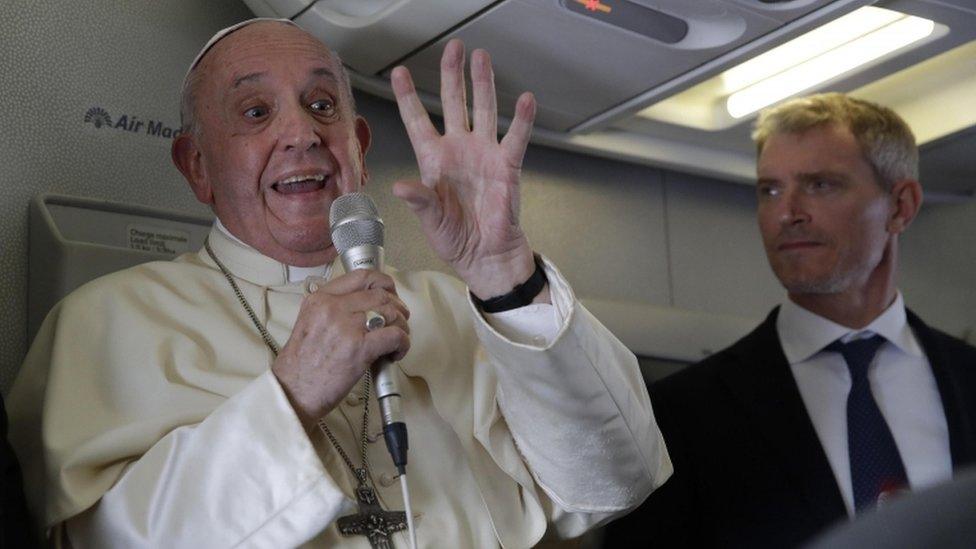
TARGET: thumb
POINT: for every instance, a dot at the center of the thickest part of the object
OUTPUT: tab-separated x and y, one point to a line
418	196
421	199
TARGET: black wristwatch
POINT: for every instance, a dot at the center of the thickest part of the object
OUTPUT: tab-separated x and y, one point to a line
520	296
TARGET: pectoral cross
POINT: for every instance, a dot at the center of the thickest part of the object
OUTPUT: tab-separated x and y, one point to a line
372	521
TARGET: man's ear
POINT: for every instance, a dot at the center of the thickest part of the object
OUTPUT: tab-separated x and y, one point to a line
365	137
906	196
188	159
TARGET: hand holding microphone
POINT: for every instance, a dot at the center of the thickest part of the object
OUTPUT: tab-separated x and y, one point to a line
331	345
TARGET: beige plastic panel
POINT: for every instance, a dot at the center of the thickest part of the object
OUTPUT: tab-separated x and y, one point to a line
579	67
278	8
667	332
75	240
938	266
783	11
370	35
717	259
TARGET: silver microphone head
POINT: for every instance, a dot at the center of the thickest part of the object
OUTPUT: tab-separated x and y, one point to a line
357	231
352	205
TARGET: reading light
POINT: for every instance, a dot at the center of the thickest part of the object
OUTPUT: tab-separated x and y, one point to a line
816	42
807	62
820	55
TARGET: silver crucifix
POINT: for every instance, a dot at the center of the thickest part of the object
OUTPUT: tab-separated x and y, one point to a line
372	521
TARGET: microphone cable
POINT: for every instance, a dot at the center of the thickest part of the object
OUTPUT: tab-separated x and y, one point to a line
408	510
395	434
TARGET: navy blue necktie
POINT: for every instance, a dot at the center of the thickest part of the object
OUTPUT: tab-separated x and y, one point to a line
876	465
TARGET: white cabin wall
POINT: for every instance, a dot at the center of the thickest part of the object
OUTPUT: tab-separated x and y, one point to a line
717	259
938	267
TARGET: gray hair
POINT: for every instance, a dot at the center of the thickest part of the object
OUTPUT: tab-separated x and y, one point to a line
886	141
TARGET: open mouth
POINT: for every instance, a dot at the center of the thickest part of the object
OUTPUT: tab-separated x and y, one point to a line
300	184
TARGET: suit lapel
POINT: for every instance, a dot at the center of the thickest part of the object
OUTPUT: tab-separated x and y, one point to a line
759	377
958	404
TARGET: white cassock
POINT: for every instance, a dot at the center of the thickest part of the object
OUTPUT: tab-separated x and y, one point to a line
146	414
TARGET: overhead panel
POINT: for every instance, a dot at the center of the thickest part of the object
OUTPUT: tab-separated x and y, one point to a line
594	65
370	35
584	57
783	11
278	8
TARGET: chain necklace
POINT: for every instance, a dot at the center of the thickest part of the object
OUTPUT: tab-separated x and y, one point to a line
371	521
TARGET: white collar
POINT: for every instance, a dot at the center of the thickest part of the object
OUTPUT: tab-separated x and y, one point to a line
294	274
804	334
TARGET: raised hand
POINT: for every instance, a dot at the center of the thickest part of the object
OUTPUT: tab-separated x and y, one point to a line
467	198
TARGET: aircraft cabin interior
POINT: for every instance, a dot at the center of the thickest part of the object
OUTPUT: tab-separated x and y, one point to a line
639	181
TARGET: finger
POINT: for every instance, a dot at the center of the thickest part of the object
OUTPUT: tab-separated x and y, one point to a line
374	320
519	132
358	280
453	100
392	316
391	341
377	300
484	101
415	118
423	201
313	283
356	304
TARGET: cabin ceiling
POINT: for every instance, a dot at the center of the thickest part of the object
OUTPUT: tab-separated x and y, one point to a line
595	64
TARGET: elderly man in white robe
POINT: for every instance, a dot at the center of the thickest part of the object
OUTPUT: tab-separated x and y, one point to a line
156	409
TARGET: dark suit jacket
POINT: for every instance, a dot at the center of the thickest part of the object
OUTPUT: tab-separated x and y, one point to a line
749	470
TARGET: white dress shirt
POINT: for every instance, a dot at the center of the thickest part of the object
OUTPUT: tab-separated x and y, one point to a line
901	381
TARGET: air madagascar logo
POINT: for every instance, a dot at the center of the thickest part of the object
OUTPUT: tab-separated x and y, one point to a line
100	118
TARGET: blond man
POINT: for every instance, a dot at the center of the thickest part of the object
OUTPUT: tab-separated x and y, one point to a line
841	397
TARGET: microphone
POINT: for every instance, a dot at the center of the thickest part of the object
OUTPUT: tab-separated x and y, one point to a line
357	233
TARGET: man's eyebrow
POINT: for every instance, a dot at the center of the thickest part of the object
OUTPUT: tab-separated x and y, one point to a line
247	78
812	176
325	72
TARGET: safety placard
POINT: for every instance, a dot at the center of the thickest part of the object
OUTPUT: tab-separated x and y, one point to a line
157	240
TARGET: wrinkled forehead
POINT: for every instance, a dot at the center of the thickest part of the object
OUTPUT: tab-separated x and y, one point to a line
263	36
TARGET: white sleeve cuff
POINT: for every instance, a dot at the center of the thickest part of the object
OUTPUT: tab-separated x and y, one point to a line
534	325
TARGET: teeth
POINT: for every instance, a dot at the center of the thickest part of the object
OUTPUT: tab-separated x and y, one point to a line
298	178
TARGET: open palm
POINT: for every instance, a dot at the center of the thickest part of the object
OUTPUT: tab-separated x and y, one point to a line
467	198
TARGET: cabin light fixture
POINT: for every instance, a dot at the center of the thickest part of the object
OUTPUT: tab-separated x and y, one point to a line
856	40
822	54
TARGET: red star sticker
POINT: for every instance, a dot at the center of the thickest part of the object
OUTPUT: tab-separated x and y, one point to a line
592	5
